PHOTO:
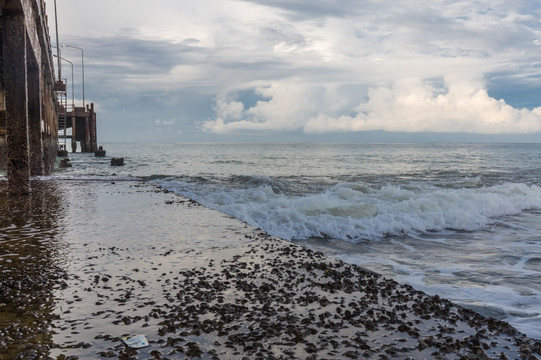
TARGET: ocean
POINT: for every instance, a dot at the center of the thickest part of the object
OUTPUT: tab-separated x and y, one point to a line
462	221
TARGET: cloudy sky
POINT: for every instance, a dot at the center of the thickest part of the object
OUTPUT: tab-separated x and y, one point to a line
297	70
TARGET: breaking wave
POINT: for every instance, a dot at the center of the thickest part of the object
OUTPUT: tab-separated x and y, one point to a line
351	212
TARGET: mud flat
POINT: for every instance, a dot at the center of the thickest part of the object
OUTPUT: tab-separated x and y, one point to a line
85	263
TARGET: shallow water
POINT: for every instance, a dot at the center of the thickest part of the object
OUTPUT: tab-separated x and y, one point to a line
75	261
30	266
458	220
89	262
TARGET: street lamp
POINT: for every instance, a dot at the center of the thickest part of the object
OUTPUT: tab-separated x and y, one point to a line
57	48
83	67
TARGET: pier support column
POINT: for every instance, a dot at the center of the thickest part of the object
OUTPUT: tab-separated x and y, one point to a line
2	106
34	115
87	133
93	135
16	102
73	133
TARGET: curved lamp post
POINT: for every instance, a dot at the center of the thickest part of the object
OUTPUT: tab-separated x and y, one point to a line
83	67
57	48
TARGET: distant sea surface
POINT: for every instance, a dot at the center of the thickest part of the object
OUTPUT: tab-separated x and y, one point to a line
459	220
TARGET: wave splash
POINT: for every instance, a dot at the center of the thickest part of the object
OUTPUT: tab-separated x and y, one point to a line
353	212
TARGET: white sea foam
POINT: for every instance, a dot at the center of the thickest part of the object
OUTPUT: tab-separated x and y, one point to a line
89	177
352	211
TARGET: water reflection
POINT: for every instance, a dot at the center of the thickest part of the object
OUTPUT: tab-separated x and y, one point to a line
29	269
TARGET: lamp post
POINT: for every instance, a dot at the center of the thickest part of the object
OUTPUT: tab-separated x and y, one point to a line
83	67
57	47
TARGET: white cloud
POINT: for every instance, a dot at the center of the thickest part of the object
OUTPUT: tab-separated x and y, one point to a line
285	108
311	63
229	109
466	107
165	122
459	105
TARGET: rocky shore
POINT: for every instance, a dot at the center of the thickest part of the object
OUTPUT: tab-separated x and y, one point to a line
83	264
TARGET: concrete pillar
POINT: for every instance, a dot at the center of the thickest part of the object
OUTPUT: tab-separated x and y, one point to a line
87	131
2	151
50	121
16	102
73	132
93	135
2	106
33	79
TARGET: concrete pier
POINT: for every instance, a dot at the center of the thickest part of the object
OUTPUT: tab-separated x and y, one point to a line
28	103
16	103
82	121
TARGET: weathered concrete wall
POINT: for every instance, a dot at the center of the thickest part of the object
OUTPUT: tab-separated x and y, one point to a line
16	99
2	152
2	106
50	148
28	102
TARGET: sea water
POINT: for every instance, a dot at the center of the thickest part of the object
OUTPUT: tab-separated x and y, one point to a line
459	220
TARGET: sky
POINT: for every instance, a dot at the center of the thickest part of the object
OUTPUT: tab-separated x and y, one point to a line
297	70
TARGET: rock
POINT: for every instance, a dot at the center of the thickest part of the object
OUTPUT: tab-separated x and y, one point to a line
65	163
100	152
117	161
62	153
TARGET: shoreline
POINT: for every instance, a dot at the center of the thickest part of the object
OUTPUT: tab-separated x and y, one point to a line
126	258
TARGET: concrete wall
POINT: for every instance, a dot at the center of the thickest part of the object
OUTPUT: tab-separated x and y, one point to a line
28	102
2	106
2	153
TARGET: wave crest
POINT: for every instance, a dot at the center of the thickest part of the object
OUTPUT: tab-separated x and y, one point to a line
351	211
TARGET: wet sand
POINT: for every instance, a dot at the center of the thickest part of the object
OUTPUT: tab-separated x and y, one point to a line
83	264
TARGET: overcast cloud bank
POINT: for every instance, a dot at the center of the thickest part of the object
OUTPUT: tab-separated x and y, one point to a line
254	66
